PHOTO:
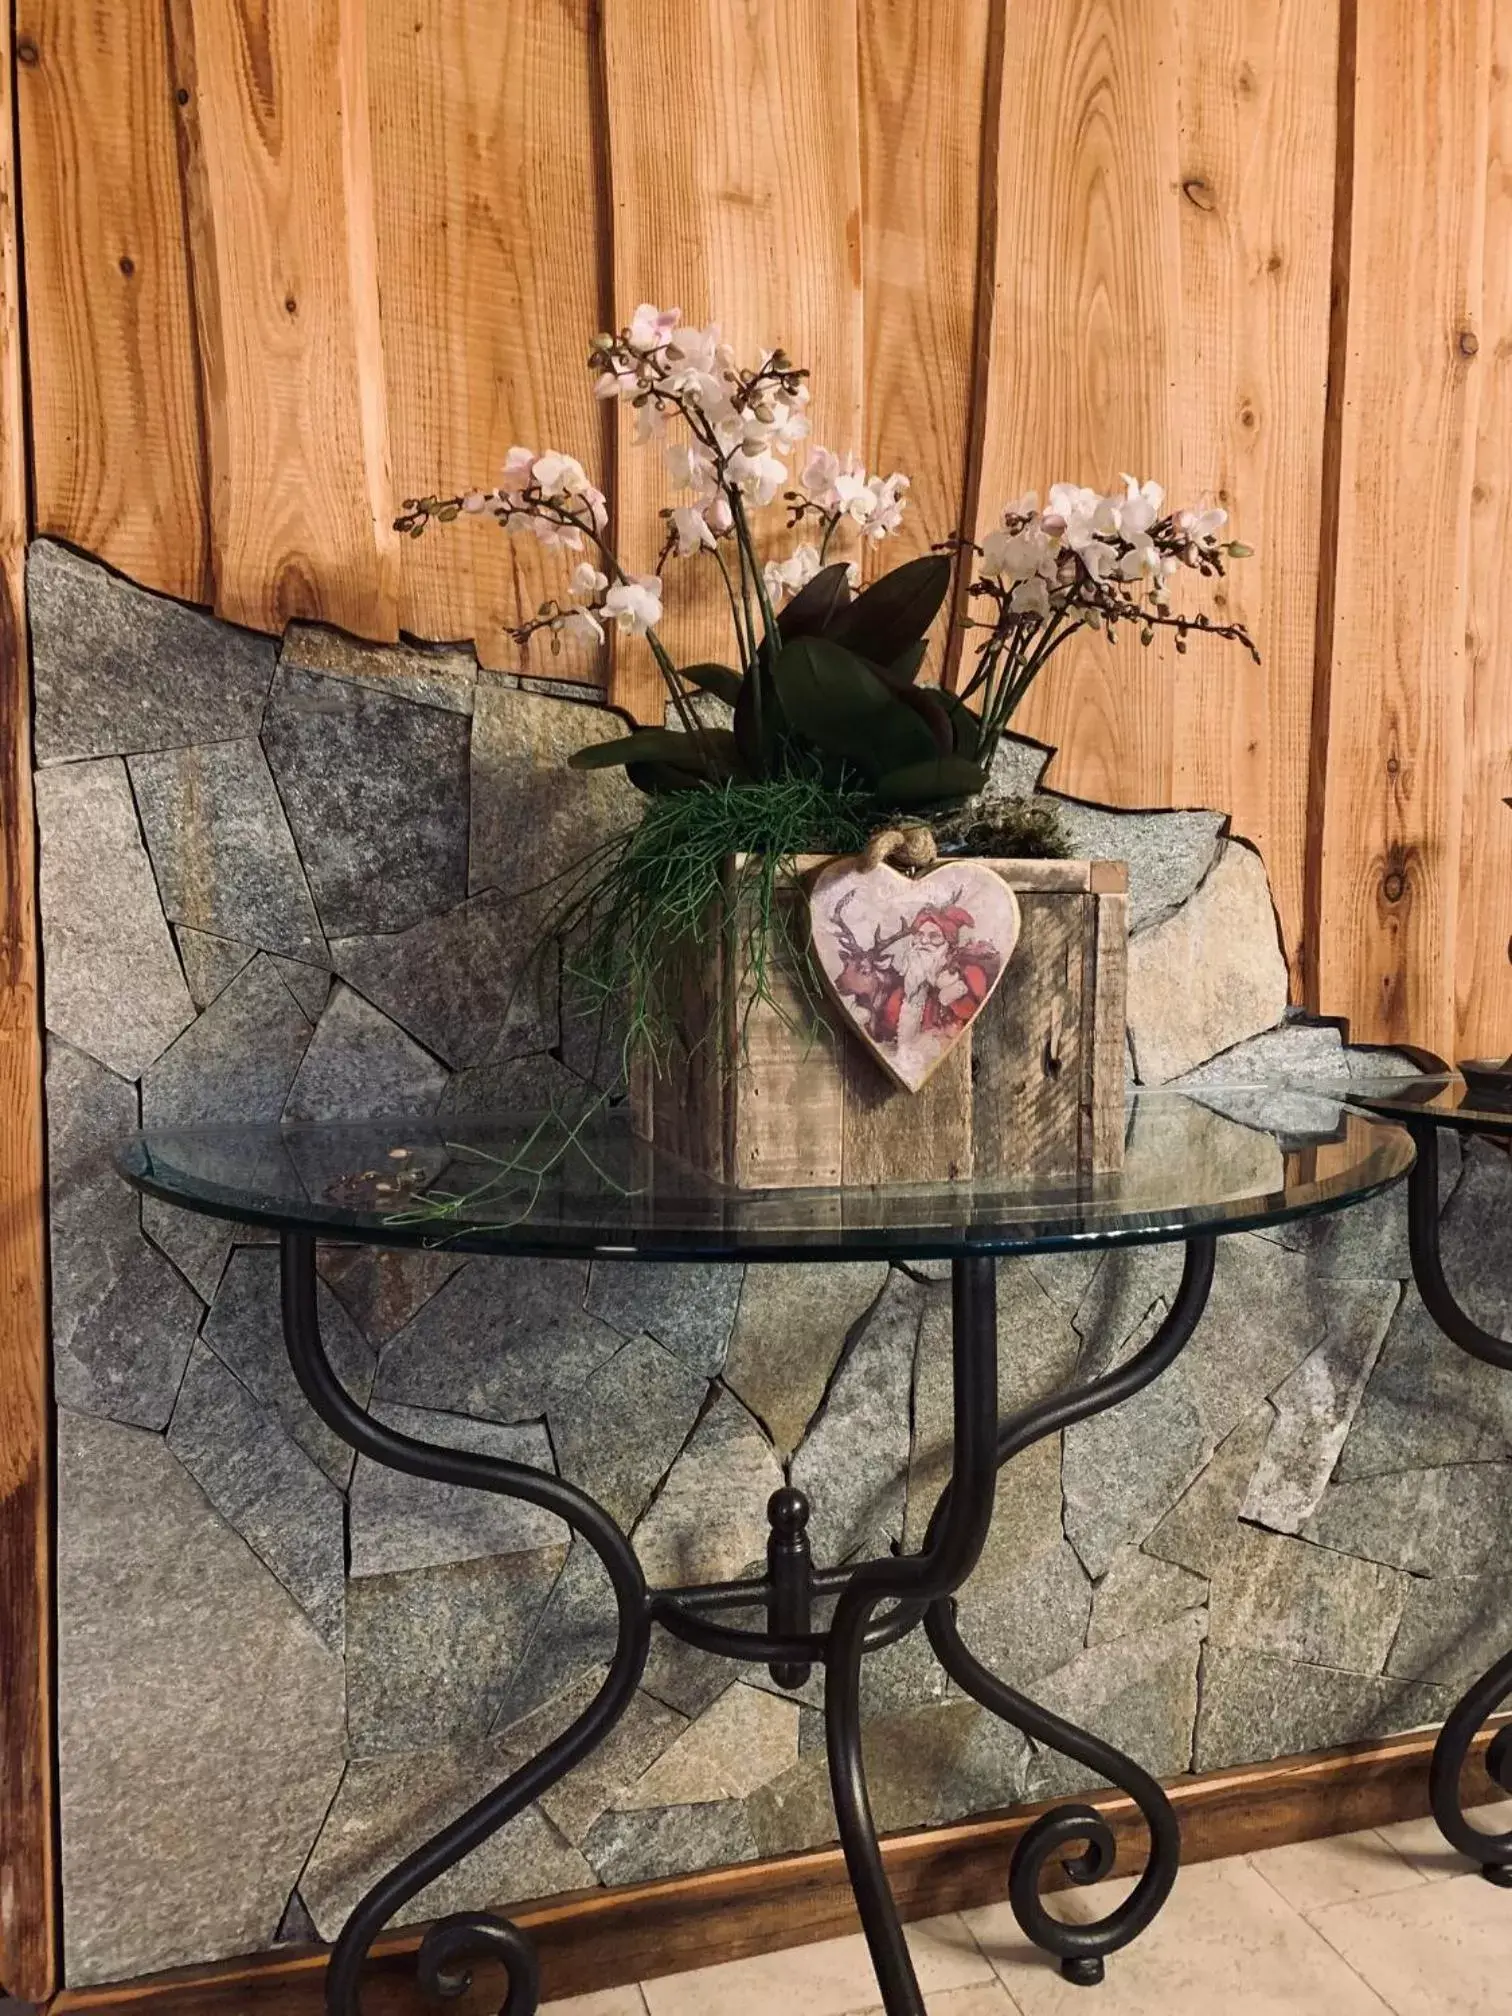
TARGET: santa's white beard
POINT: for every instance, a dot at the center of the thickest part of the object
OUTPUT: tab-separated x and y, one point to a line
919	968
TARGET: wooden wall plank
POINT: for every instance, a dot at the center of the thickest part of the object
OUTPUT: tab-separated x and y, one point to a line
1085	338
1258	158
281	220
28	1932
928	75
734	160
484	157
114	399
1483	961
1387	880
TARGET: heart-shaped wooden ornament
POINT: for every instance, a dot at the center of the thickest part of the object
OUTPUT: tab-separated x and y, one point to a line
911	960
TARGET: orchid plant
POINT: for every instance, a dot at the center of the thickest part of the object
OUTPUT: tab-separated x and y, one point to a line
825	685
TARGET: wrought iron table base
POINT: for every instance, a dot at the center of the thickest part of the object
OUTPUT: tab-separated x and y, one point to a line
908	1591
1492	1851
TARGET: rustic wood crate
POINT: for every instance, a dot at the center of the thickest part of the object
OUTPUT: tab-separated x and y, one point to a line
1034	1090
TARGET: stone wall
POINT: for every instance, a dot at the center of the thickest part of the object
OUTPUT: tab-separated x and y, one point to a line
286	880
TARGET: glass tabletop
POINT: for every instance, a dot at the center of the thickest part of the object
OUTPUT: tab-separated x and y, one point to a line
547	1186
1444	1098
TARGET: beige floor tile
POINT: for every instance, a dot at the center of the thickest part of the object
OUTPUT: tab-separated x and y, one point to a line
1443	1949
1224	1941
831	1979
1311	1874
983	1998
1420	1842
608	2002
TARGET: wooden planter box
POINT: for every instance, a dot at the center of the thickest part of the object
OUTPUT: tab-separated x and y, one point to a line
1034	1090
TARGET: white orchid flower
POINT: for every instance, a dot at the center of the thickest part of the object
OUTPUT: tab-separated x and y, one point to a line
692	531
635	604
586	583
582	625
516	475
757	477
651	327
786	577
1031	598
1140	507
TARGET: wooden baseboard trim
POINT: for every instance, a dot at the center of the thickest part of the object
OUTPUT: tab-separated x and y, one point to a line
601	1938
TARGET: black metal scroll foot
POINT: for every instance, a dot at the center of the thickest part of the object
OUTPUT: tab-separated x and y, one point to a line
1081	1949
454	1941
1471	1713
951	1551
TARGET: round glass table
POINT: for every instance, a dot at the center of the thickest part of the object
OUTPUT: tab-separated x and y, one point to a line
1423	1105
1192	1172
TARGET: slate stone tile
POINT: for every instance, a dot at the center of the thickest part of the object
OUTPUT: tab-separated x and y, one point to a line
1168	853
528	808
708	1523
1257	1705
429	1652
685	1305
1198	1530
1272	1593
854	1460
221	847
376	794
359	1064
1017	766
502	1339
743	1740
388	1806
1428	1404
1476	1251
209	963
438	676
1025	1617
400	1522
473	985
1454	1628
686	1679
645	1731
535	1084
199	1247
114	987
310	985
200	1717
1210	975
617	1434
642	1847
236	1062
1316	1405
1368	1242
296	1927
117	670
915	1762
1140	1591
790	1328
1456	1521
263	1485
1139	1694
383	1290
245	1331
574	1638
125	1356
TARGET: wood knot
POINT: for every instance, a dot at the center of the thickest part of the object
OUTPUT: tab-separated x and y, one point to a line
1467	343
26	52
908	846
1197	193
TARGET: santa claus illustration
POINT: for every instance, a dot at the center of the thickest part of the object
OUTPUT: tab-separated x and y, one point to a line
924	982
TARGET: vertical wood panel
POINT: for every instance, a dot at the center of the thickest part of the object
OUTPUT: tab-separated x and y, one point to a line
28	1934
927	68
1258	158
1085	337
1388	874
1483	964
488	251
735	169
114	399
280	201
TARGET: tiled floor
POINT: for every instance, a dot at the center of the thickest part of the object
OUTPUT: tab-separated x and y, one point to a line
1390	1923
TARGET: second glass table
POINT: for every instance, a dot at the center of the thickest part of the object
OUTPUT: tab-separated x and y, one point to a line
1193	1172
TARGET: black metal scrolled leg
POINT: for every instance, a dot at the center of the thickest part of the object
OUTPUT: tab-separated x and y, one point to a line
453	1942
951	1552
1469	1715
1081	1948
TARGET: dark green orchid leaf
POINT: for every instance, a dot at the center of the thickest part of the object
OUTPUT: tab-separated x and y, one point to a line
711	754
964	720
925	702
840	704
894	612
904	669
758	745
942	781
814	608
716	679
657	779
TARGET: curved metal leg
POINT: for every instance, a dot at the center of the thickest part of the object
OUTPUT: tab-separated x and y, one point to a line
446	1949
1081	1948
1492	1851
951	1552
